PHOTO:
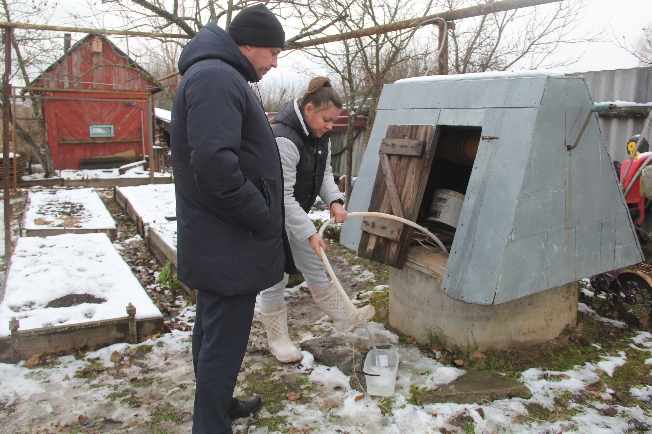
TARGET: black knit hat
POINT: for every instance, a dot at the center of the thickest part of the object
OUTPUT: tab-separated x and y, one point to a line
257	26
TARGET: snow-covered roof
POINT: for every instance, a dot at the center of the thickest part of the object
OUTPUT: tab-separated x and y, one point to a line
162	114
483	76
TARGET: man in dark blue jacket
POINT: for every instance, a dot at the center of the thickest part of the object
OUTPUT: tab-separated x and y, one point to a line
229	191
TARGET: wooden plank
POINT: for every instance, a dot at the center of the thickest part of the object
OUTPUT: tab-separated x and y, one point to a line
394	199
427	261
385	228
112	233
162	250
163	253
115	182
119	197
402	147
410	174
46	182
67	339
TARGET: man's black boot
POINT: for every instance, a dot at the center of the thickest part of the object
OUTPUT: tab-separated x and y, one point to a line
245	407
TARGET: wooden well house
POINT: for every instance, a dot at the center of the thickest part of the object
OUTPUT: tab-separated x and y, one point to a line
539	205
97	105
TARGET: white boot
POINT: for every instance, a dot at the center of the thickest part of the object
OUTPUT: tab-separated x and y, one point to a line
275	321
331	302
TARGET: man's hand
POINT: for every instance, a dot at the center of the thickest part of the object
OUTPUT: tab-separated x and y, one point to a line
338	211
316	241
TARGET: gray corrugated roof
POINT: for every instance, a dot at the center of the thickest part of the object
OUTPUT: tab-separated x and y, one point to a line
632	85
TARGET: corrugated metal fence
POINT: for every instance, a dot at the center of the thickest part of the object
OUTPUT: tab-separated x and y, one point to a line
631	85
338	143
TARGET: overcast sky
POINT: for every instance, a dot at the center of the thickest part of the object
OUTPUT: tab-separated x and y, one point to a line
619	17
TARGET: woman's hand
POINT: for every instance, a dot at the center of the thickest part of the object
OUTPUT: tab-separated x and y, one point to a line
338	211
316	241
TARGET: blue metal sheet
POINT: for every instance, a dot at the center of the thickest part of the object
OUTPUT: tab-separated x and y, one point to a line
525	270
461	117
546	170
538	214
608	243
628	254
486	220
587	249
456	94
561	257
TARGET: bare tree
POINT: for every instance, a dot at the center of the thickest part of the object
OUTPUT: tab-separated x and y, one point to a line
275	93
364	65
642	48
31	51
189	16
160	60
526	38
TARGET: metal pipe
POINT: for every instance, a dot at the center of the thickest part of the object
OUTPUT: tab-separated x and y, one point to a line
6	108
458	14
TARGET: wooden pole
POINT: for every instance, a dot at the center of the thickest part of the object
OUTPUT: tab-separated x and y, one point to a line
14	137
458	14
150	122
442	62
27	26
6	109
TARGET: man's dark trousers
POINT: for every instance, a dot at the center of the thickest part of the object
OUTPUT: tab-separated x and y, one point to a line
219	342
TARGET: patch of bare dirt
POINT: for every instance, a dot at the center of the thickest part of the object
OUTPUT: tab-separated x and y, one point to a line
75	300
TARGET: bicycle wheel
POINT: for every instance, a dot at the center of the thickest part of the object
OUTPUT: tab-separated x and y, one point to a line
632	297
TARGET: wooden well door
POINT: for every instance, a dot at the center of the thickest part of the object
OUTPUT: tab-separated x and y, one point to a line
406	154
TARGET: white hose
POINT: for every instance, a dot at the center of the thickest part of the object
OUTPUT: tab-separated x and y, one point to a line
331	273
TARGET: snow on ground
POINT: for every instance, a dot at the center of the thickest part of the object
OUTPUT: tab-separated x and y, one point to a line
74	208
329	405
319	215
167	232
45	269
137	172
581	307
154	203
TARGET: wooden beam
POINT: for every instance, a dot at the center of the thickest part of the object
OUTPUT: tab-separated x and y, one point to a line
392	192
411	147
458	14
27	26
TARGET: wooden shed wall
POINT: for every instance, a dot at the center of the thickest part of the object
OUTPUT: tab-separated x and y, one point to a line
81	68
69	115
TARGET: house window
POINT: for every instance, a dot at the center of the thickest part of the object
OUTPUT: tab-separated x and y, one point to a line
101	130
